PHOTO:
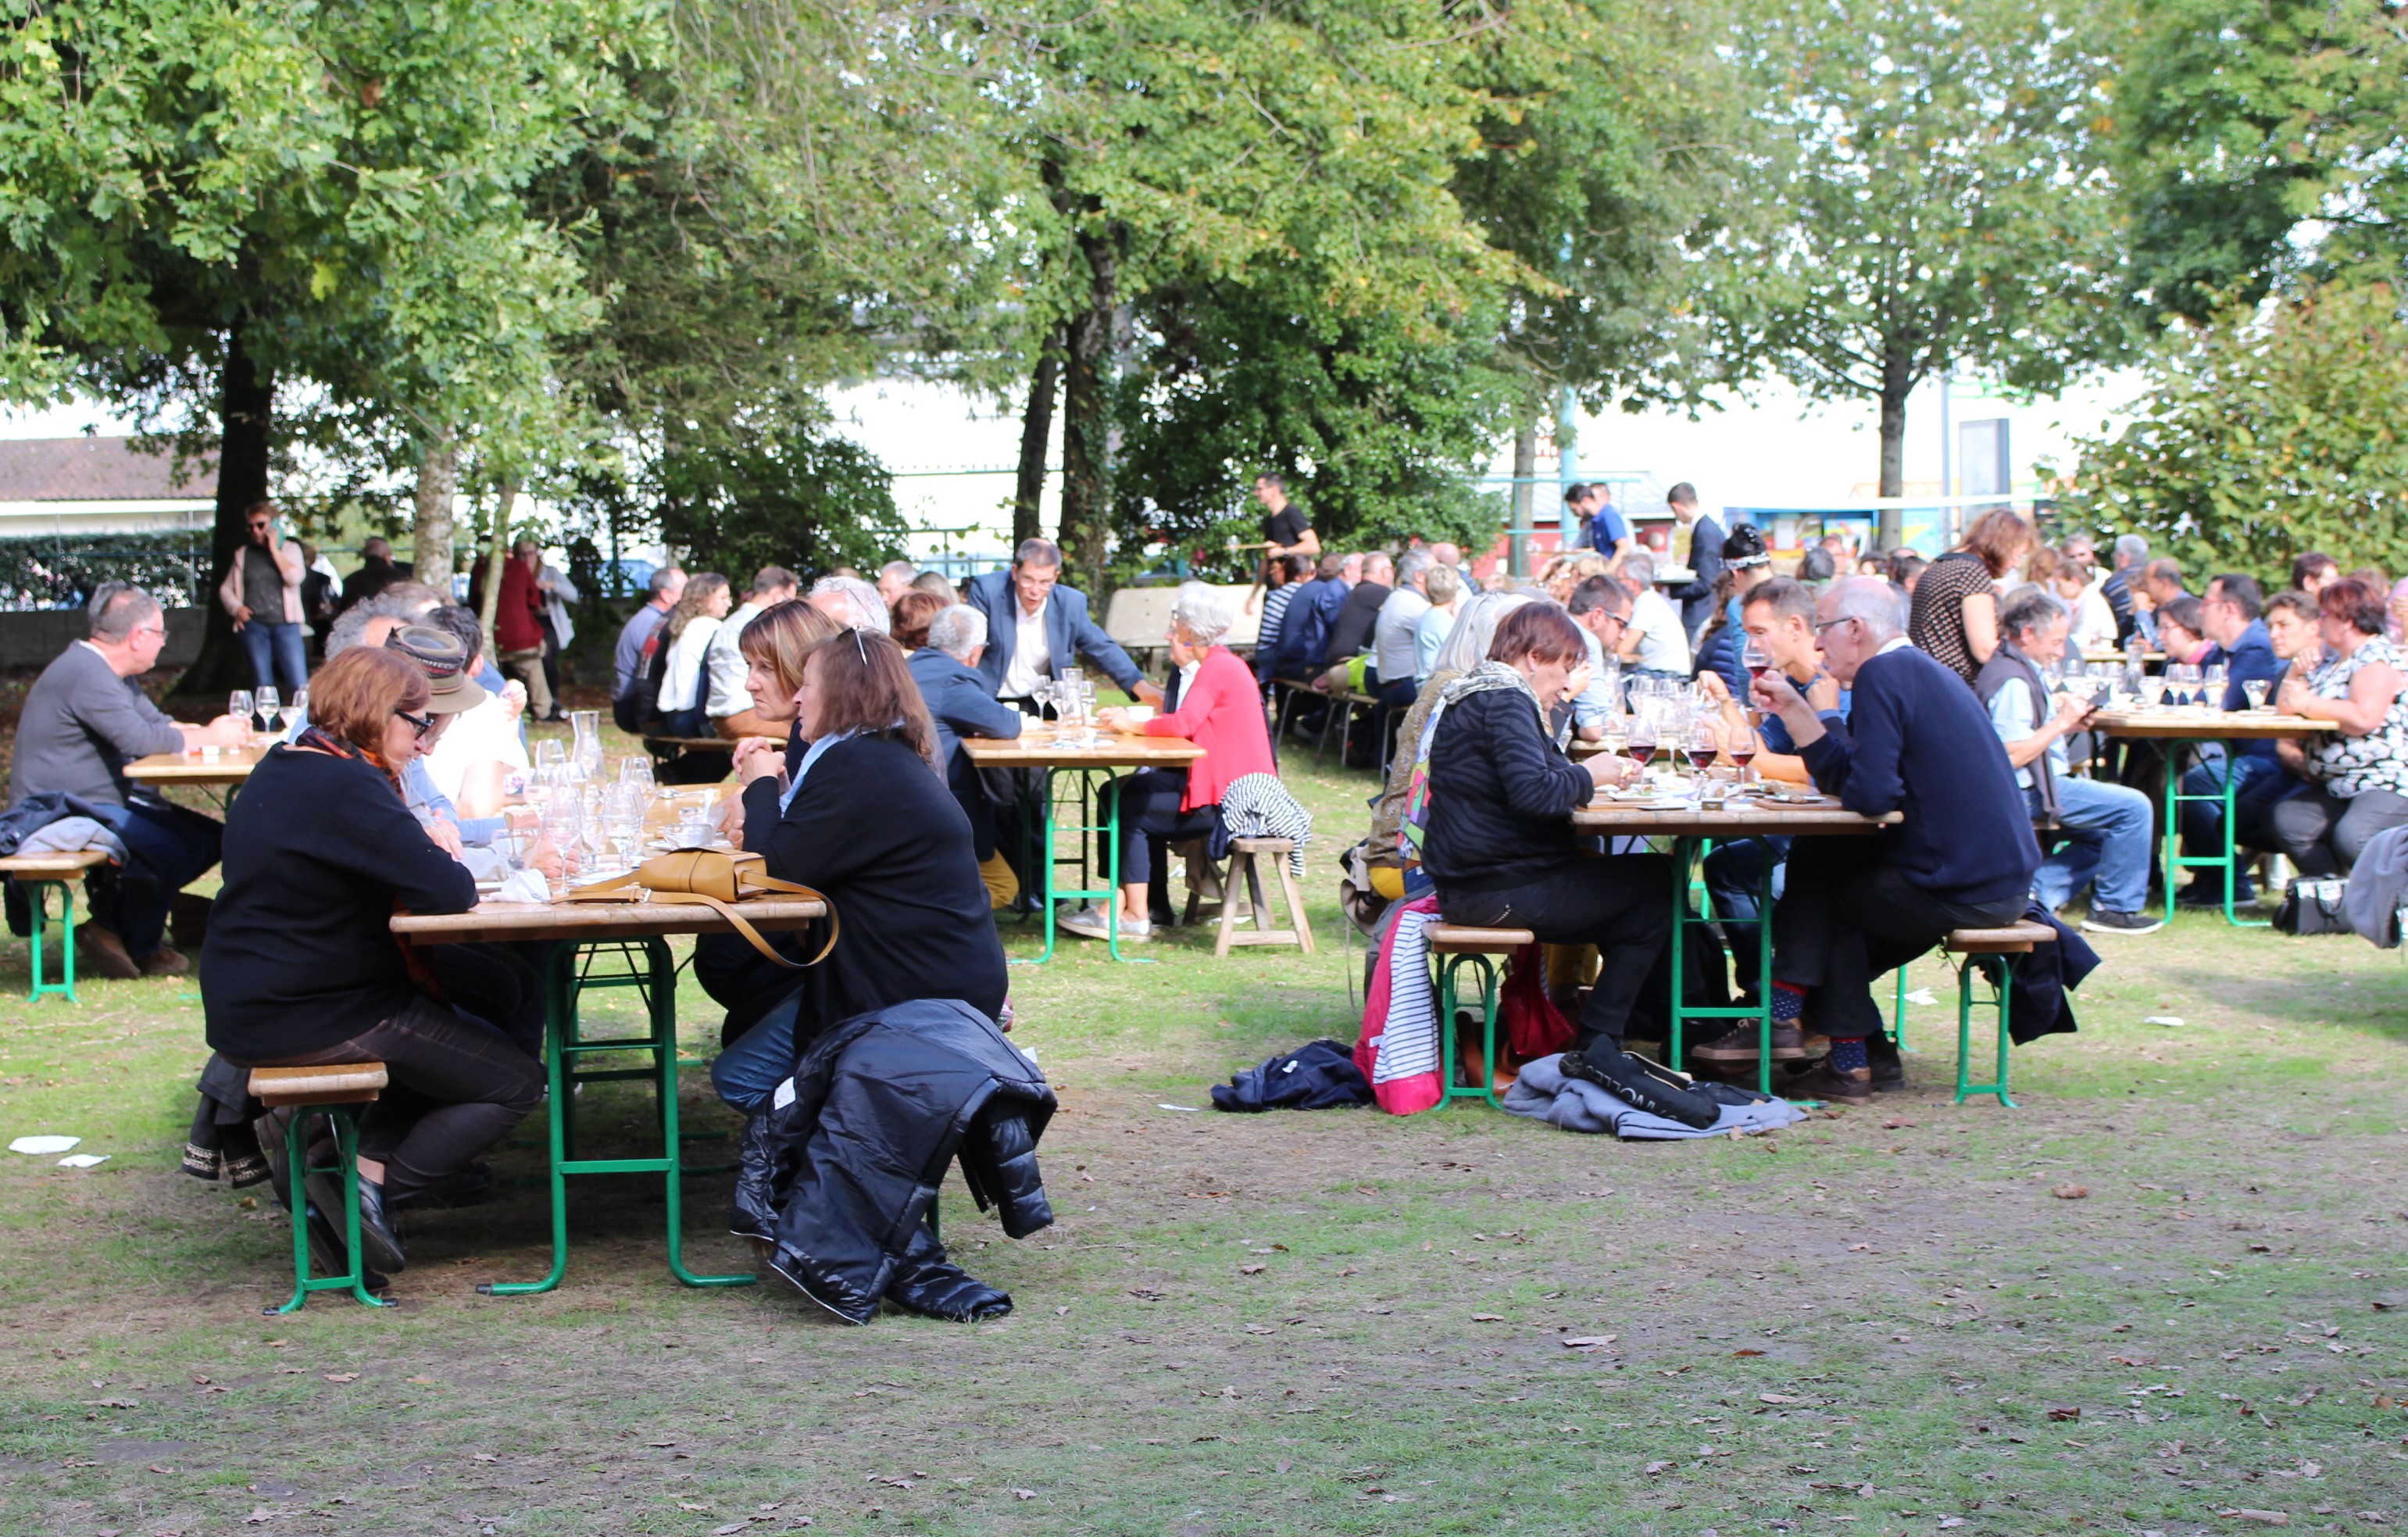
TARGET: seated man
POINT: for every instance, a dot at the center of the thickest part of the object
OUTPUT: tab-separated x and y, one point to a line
2233	613
631	693
1601	606
960	704
729	707
1962	856
1655	641
851	602
2105	826
1035	628
84	719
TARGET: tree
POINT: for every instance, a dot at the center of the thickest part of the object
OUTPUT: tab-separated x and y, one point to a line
1938	203
262	197
2256	144
2263	433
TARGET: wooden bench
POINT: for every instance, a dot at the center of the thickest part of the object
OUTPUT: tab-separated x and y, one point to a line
1245	856
2002	946
688	760
332	1091
1454	946
40	874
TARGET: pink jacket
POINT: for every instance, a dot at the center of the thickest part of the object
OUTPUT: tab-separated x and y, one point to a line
288	563
1222	713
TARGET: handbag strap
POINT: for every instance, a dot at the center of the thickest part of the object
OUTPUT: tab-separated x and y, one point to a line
603	892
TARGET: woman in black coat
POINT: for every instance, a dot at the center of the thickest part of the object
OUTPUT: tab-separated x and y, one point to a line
865	820
1498	842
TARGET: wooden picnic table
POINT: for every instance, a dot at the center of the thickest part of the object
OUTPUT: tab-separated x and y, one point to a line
2197	724
1691	827
1052	750
231	767
636	935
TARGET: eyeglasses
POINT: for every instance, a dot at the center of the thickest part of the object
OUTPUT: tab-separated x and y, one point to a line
1844	618
422	724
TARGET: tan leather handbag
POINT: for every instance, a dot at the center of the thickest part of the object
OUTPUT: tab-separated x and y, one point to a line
711	878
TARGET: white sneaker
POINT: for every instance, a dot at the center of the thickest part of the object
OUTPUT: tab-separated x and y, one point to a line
1089	923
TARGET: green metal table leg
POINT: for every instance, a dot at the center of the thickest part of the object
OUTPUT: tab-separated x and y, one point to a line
1897	1016
1041	858
1684	856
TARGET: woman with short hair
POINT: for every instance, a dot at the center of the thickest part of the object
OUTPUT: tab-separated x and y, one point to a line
301	967
865	819
682	659
908	619
1499	839
2358	772
1219	710
774	647
1955	615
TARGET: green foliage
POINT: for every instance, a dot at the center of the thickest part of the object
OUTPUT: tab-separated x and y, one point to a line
53	570
782	491
2259	438
2258	143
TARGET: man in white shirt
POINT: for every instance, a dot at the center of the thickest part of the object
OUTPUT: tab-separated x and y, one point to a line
729	706
1654	639
1392	632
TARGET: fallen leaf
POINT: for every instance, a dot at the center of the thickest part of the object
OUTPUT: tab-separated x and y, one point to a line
1654	1467
2071	1192
1777	1397
1488	1317
1749	1352
1023	1494
1249	1269
342	1376
1579	1342
2062	1415
2268	1517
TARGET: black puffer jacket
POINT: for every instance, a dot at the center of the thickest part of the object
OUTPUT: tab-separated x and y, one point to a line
839	1172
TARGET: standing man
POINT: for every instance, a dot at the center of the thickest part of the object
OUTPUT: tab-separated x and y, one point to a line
638	638
1036	627
262	591
518	625
1590	509
1287	530
1962	858
731	709
1705	557
84	719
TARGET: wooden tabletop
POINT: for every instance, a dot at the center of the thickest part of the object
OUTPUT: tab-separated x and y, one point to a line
1043	747
489	921
2119	657
1743	819
2195	724
233	765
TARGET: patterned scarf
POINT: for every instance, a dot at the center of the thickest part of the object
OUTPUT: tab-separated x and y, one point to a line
1485	678
315	738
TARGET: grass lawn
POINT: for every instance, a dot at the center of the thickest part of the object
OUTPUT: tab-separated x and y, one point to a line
2165	1296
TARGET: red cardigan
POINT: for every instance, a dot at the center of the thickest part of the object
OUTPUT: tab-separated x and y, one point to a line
1221	713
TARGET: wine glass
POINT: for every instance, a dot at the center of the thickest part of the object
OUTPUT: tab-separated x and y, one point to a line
1617	732
2255	690
270	705
238	705
1741	749
638	772
299	709
2153	689
2217	681
1643	739
1702	746
550	753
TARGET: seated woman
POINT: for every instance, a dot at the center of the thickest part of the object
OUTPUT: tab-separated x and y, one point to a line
910	616
1499	840
1220	710
680	664
774	647
2357	773
1466	643
864	819
301	967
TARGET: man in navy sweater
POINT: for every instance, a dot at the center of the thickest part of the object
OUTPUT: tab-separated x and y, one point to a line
1917	742
2233	616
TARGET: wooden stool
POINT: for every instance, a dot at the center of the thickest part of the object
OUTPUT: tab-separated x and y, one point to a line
40	874
1976	946
335	1092
1454	948
1244	854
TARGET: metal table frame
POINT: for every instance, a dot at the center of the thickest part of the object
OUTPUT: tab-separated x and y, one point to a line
2175	733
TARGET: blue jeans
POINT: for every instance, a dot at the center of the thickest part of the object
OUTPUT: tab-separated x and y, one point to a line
1734	873
748	1073
2107	846
168	848
279	655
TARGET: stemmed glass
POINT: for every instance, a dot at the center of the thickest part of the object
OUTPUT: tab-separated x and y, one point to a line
238	705
2255	690
2217	681
270	706
636	772
550	752
1643	739
2153	690
1741	749
1702	747
297	712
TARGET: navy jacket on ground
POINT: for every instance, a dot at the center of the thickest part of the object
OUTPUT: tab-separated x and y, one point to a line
1318	1075
1919	742
2250	656
962	704
1070	634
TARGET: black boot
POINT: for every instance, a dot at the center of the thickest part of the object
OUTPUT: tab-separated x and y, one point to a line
931	1284
380	1237
754	1214
1889	1068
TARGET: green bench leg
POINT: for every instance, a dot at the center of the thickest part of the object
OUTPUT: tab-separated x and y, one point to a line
2000	994
297	1170
1447	967
37	897
1898	1016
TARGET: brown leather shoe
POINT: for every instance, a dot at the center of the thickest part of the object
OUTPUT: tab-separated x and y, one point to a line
1789	1044
1823	1081
166	961
101	954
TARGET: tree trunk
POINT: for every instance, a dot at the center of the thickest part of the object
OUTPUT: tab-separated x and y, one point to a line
494	559
1897	382
246	417
1525	498
1036	437
1086	456
438	478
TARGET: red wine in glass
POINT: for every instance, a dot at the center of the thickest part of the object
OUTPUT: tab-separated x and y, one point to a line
1642	753
1742	757
1702	757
